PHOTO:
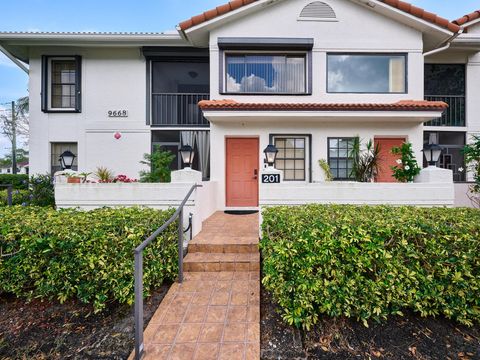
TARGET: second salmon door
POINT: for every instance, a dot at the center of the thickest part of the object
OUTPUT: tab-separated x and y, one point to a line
242	172
387	159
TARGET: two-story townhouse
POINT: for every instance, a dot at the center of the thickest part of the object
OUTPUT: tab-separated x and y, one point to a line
306	76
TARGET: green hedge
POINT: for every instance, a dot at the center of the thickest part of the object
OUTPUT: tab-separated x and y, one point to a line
70	254
19	181
372	262
19	197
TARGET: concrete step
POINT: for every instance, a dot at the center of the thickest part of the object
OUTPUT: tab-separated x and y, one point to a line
211	262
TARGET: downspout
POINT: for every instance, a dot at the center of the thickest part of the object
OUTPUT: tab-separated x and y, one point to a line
447	45
14	59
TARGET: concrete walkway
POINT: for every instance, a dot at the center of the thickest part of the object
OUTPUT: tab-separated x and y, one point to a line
215	312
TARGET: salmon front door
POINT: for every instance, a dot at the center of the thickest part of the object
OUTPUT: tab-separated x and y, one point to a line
242	172
387	159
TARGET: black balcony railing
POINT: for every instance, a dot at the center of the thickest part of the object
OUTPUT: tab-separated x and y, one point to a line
179	109
454	115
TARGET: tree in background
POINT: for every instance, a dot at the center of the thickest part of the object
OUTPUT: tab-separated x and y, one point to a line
22	157
15	122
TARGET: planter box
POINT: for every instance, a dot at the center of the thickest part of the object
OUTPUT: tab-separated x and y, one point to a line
418	194
87	196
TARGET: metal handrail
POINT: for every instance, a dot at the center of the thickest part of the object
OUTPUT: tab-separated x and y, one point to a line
9	193
139	346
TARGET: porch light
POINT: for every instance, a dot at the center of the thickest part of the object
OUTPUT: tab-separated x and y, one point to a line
187	153
66	159
432	153
270	154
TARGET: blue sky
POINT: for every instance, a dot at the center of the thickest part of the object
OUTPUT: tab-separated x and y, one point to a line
125	15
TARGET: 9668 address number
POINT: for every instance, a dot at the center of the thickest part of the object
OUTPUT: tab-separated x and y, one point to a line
117	113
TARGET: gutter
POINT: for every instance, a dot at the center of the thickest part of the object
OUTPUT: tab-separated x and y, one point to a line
182	33
447	45
17	62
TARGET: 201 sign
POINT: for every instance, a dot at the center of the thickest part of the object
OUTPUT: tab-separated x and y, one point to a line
271	178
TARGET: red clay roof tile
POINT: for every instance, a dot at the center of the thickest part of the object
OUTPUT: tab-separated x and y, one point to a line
422	14
467	18
398	4
405	105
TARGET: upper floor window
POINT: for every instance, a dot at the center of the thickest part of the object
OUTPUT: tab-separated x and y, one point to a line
366	73
61	84
265	73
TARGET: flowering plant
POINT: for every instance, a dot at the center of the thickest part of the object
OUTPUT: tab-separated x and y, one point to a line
123	179
407	167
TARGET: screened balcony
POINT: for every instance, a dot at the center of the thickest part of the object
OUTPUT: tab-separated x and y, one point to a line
446	82
454	115
176	89
178	109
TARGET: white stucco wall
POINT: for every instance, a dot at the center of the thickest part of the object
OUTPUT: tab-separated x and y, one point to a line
357	30
112	79
201	204
319	131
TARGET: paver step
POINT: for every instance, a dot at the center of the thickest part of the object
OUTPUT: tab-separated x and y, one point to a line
200	261
213	247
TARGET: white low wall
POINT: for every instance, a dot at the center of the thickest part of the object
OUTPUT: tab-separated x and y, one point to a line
461	195
201	204
418	194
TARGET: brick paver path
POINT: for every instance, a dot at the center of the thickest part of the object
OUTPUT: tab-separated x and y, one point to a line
213	314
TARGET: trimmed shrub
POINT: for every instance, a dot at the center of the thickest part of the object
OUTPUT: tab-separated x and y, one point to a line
42	191
370	262
19	181
87	255
19	197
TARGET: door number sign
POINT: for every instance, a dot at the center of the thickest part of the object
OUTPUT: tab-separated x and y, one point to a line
271	178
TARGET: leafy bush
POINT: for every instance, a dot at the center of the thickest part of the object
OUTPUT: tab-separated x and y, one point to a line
371	262
19	197
42	191
407	167
159	162
19	181
70	254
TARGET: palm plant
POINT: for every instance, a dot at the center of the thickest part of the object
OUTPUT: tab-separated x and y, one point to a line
104	175
365	162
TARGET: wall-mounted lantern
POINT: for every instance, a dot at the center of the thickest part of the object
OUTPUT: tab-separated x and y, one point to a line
270	154
432	153
66	160
187	153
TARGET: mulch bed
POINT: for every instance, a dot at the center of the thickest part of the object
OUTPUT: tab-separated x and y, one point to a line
408	337
49	330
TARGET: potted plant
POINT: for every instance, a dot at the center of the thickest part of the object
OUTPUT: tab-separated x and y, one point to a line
73	178
407	167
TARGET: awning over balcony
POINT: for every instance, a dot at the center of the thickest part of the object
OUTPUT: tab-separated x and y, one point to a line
406	110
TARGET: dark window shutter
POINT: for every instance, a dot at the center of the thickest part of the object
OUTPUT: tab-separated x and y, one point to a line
78	84
44	90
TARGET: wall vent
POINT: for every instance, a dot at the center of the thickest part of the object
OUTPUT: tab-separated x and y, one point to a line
317	11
